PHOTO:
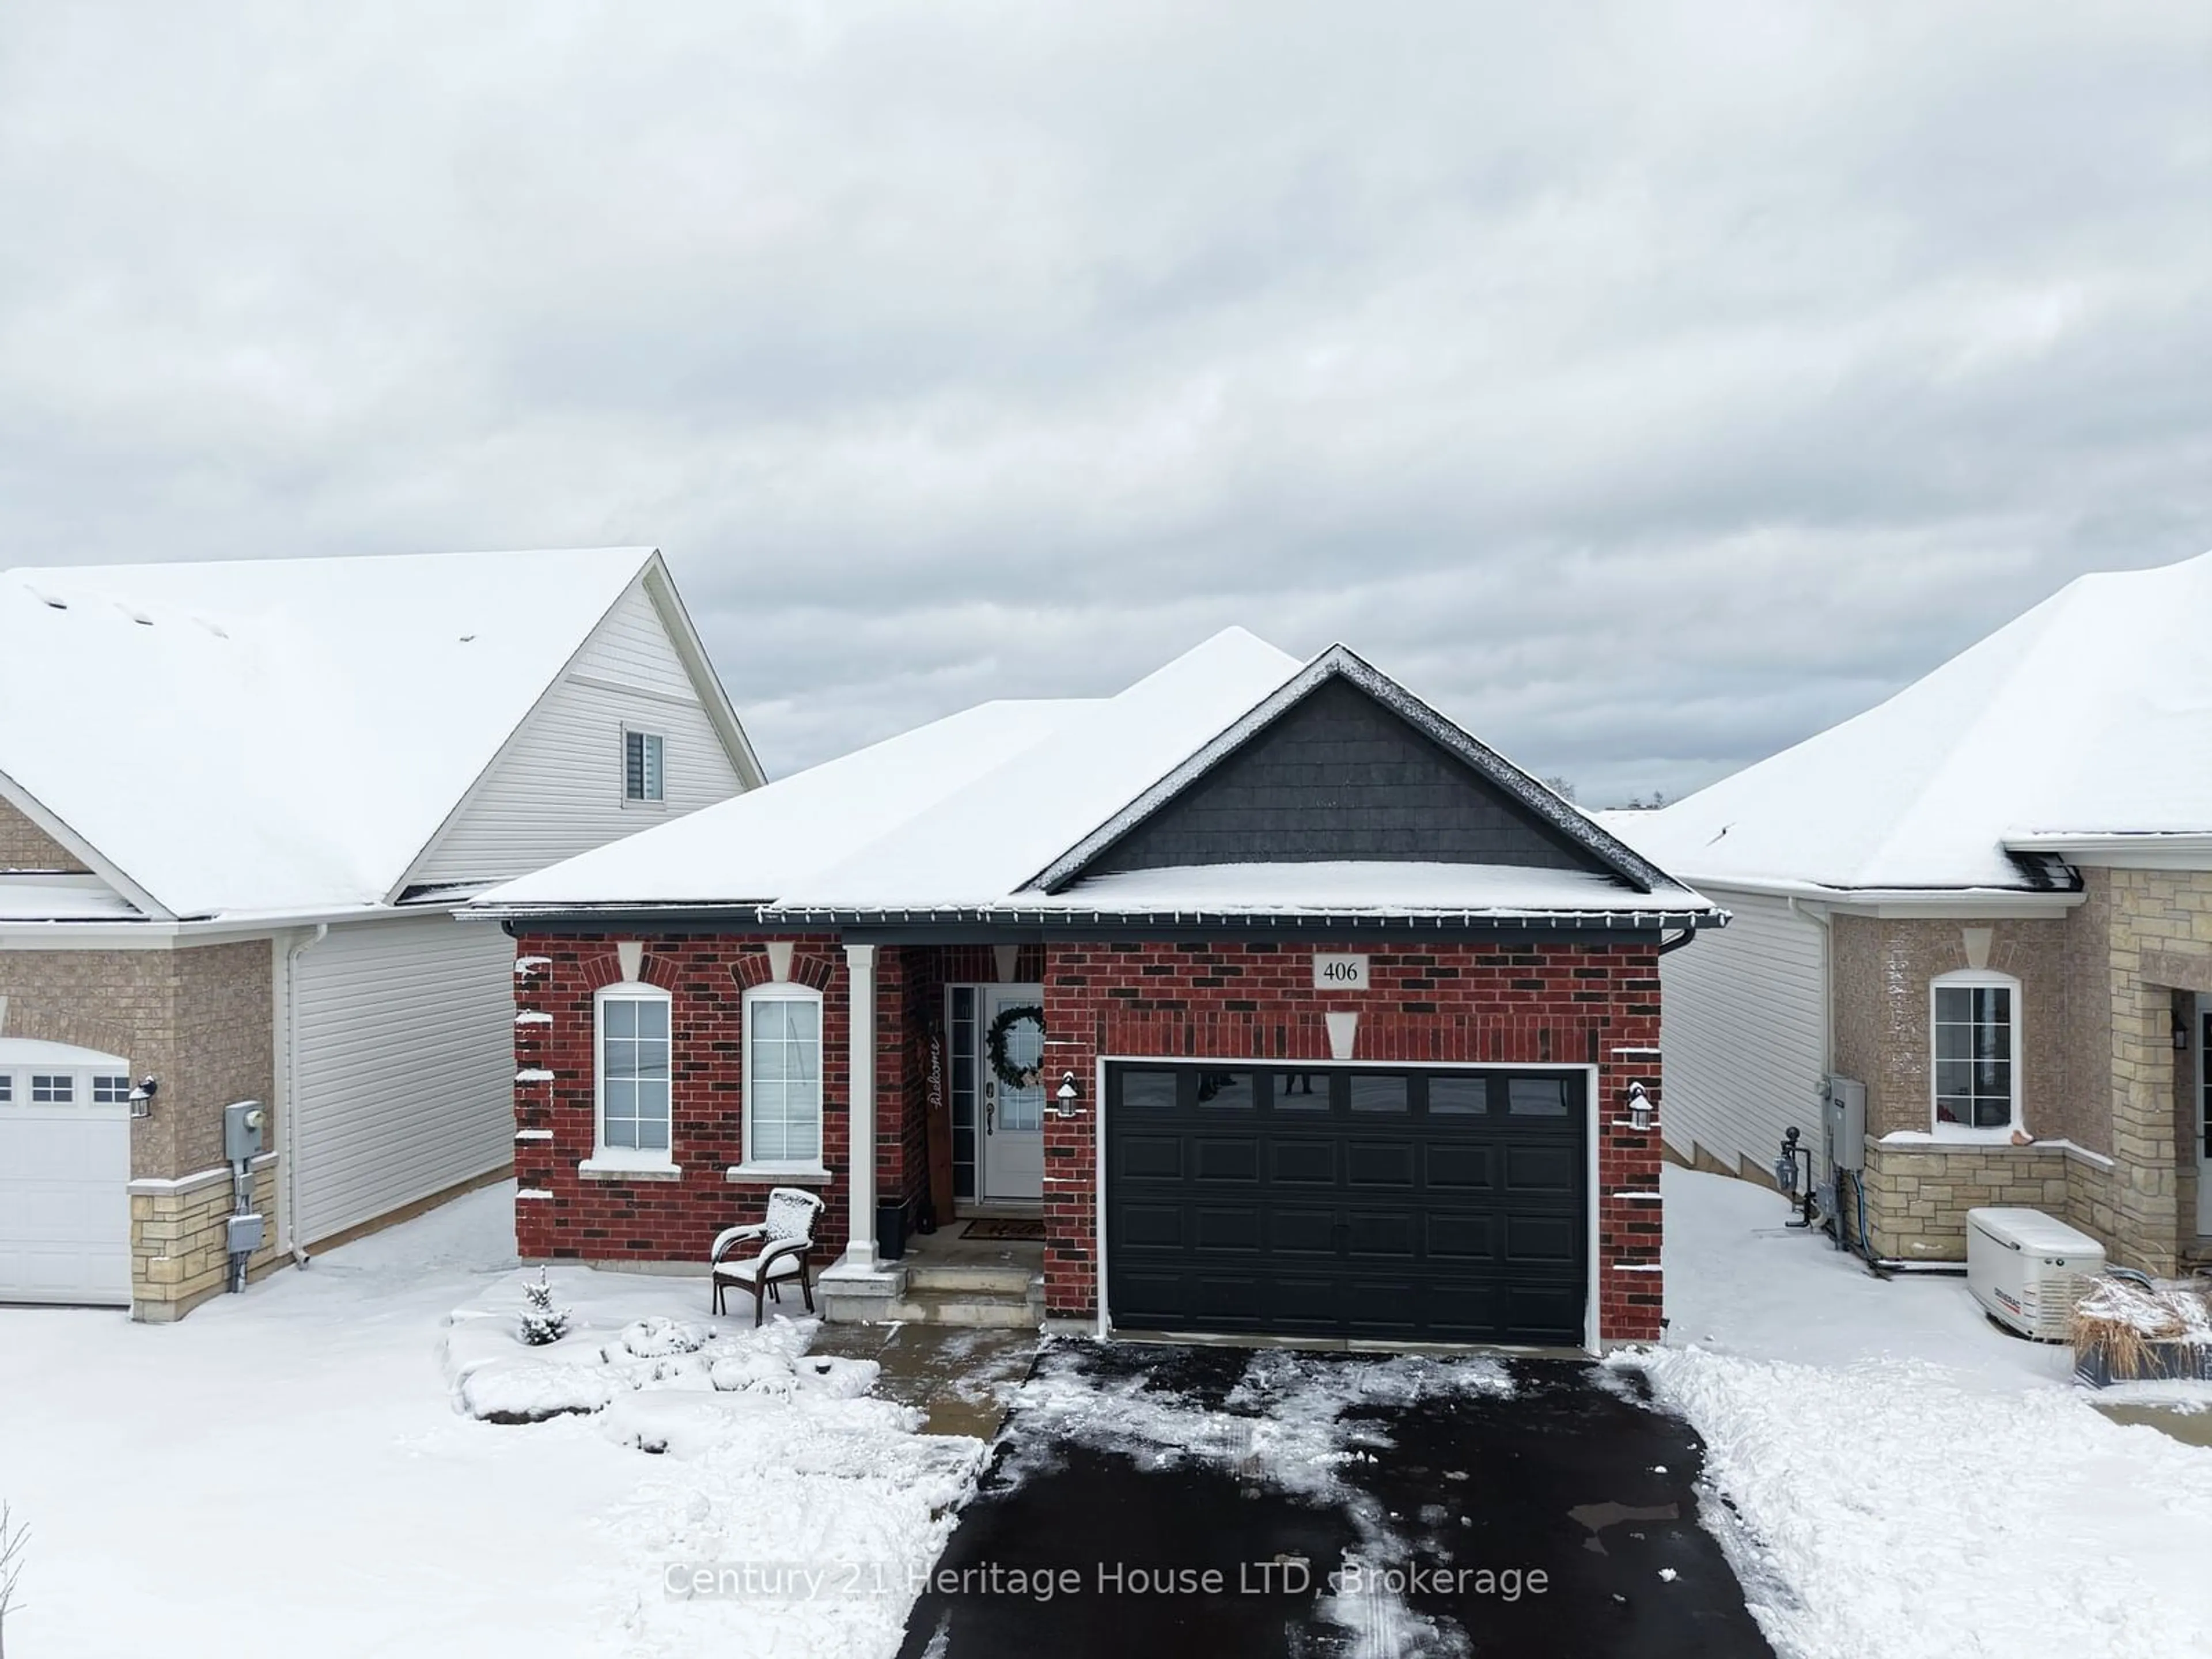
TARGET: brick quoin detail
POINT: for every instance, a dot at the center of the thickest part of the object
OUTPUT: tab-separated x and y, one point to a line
1476	1003
1482	1003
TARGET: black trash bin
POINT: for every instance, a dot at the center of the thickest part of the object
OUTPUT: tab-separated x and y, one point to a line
891	1230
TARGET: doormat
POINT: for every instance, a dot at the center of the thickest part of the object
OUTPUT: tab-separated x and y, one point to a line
1019	1228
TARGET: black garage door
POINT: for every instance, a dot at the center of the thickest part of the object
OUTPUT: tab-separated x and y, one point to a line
1420	1205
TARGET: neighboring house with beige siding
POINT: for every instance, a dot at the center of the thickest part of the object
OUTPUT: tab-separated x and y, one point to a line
239	804
1989	900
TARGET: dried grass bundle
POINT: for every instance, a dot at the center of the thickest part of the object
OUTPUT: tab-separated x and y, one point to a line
2118	1322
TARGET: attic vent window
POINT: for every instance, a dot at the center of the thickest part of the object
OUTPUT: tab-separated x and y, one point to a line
642	771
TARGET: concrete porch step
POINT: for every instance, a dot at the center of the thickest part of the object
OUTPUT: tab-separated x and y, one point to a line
1017	1310
965	1277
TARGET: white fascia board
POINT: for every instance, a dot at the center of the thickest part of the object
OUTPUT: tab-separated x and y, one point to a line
58	830
1998	903
661	589
2149	849
164	935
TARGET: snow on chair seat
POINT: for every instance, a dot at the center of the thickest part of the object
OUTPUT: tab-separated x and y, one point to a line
785	1238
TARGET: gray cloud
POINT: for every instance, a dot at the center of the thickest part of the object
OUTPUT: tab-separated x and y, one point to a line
1649	385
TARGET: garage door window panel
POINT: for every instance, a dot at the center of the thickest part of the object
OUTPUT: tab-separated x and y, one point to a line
1369	1092
1536	1096
1226	1090
1458	1097
1145	1091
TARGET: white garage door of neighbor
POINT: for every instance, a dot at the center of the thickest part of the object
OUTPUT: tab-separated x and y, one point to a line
64	1175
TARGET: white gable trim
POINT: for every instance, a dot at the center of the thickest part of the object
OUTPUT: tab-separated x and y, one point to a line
1340	662
32	808
653	580
661	588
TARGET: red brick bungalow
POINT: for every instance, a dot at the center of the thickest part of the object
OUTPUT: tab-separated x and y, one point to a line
1290	1008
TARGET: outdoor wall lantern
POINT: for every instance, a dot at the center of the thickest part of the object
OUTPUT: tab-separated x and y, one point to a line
1639	1107
1066	1095
142	1097
2180	1034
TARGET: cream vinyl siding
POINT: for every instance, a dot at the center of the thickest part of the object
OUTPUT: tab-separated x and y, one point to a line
1745	1031
405	1081
557	789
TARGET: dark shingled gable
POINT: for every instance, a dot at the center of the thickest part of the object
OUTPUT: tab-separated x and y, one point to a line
1341	777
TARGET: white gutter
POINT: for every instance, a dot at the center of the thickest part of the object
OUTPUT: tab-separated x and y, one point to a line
1934	901
153	935
287	1118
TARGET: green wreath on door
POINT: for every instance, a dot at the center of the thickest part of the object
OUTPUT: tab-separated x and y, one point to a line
994	1046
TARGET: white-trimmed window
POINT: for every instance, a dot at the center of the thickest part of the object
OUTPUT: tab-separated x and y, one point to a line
1975	1021
110	1090
644	766
783	1077
634	1074
52	1088
7	1087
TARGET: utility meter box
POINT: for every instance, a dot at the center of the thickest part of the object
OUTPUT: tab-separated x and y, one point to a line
1845	1124
244	1234
242	1126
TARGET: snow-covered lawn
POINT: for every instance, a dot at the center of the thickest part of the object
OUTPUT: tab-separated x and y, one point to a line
287	1472
1905	1479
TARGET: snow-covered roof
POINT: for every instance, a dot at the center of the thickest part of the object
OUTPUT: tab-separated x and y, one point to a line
985	811
277	736
1352	888
38	1051
2088	717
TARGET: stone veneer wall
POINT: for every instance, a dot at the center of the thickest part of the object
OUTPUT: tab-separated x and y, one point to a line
2101	990
1882	969
2157	930
1918	1196
24	846
198	1019
180	1238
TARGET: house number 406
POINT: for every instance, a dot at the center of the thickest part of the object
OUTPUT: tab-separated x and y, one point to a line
1339	973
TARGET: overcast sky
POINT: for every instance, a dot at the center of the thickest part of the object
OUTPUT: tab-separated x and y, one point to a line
1647	386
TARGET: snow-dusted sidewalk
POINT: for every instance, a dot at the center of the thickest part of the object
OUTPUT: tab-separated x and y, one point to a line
287	1472
1908	1480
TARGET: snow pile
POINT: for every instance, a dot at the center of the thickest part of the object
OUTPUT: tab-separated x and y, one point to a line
1890	1474
1288	1425
1883	1509
771	1457
500	1377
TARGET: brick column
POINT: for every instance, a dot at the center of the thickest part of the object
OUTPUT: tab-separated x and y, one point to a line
1072	1023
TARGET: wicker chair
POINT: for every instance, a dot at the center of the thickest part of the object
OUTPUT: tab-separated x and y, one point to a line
785	1240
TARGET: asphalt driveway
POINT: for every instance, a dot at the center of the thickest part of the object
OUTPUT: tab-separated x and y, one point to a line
1162	1501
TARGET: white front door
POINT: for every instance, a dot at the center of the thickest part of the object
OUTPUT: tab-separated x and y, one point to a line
64	1199
2201	1119
1011	1166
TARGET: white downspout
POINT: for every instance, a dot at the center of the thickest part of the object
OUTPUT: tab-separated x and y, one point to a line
289	1189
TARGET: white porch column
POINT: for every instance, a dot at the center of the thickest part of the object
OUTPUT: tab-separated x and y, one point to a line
861	1116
